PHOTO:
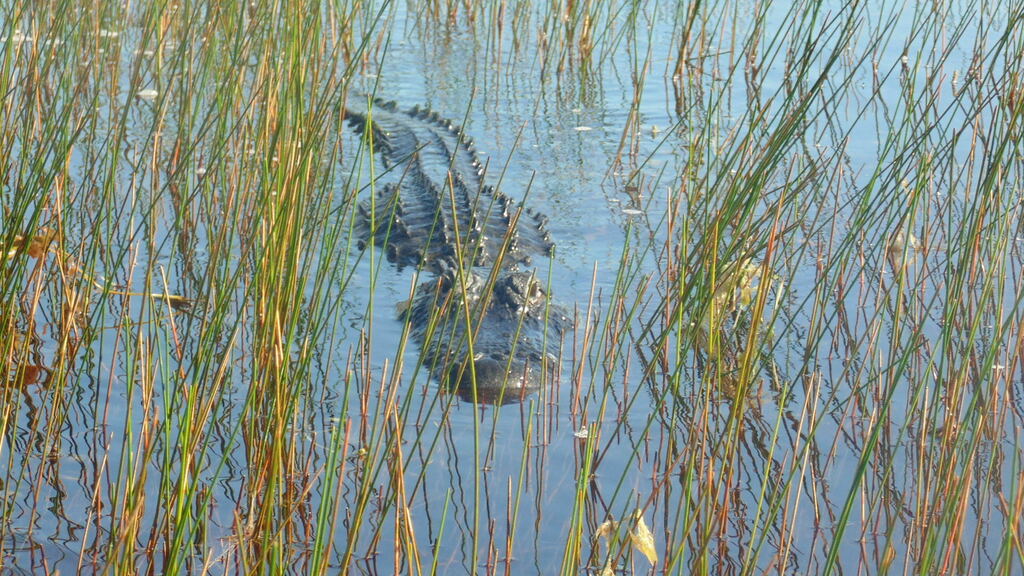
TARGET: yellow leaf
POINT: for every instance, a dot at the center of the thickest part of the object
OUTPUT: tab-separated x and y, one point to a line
746	295
607	531
643	540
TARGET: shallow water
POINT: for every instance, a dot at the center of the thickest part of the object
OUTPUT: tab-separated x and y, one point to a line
490	489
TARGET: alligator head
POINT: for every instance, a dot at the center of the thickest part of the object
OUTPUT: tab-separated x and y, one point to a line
513	341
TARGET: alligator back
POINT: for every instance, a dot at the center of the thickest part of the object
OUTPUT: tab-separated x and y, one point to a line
435	210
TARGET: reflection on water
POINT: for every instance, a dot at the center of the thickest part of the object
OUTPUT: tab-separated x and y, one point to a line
784	240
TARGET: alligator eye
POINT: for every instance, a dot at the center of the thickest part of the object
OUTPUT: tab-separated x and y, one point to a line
444	280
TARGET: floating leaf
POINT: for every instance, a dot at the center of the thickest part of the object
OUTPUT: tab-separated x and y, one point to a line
736	285
900	244
40	243
26	375
608	531
176	302
35	245
642	539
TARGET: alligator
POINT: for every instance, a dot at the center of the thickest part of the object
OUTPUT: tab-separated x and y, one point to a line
485	325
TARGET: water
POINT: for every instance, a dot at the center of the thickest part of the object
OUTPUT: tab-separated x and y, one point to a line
494	489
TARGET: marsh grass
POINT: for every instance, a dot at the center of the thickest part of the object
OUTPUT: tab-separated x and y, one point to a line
805	358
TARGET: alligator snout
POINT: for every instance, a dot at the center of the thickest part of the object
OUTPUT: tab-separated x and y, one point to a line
495	379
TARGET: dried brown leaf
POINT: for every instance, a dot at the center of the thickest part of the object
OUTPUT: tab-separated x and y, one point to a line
40	243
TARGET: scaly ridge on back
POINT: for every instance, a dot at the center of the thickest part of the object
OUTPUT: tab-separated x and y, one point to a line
440	191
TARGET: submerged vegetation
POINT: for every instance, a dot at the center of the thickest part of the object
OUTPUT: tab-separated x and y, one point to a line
790	236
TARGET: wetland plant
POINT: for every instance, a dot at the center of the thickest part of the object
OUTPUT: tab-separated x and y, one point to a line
803	357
